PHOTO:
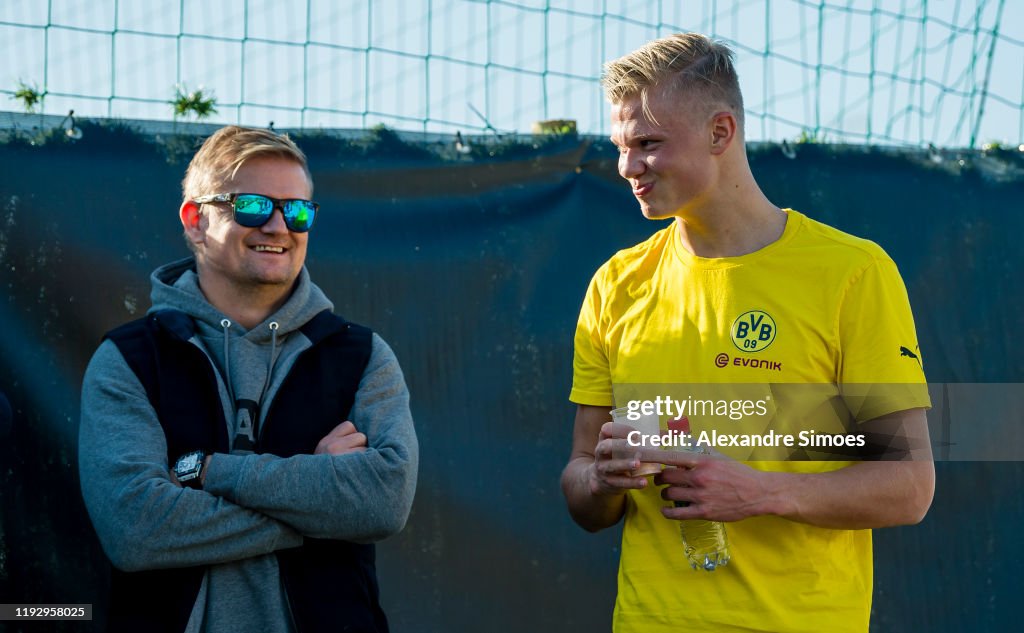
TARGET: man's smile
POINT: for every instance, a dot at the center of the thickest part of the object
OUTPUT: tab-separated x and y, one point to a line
266	248
642	189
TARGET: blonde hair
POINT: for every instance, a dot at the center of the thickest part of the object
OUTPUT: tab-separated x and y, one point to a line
689	64
224	153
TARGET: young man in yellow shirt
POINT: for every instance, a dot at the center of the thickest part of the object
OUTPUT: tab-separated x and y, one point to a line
739	296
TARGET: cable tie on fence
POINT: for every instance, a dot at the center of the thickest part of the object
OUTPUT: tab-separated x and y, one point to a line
461	146
72	131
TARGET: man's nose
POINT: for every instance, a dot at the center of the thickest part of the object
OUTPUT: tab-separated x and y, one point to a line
631	164
276	222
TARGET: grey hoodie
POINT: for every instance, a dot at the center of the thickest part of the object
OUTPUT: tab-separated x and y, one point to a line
251	505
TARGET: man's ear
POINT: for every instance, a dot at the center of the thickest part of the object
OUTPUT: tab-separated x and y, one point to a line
723	131
192	221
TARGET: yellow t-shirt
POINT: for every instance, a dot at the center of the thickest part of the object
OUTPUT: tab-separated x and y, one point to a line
810	325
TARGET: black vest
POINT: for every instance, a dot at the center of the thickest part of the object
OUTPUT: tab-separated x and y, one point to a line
331	585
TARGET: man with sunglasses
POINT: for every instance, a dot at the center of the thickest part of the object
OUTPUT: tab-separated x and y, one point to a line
242	446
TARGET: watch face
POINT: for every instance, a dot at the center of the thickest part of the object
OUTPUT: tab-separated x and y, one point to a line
188	462
188	466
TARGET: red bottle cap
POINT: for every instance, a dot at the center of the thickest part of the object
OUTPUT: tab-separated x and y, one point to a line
680	425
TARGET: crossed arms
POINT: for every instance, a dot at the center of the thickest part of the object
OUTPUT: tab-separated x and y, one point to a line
251	505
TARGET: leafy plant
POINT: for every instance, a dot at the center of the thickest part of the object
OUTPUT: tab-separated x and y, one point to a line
557	127
29	95
194	102
808	137
380	141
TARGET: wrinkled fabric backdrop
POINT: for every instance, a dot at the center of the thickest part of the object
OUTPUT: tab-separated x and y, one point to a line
473	269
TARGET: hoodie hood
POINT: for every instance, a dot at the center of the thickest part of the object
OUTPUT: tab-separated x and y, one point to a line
176	287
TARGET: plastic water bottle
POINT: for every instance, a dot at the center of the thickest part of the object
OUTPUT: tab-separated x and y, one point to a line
704	542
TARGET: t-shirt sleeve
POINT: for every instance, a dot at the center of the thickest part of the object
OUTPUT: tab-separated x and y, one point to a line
591	374
881	369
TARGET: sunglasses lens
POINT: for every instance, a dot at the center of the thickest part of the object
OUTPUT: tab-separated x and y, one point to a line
299	215
252	210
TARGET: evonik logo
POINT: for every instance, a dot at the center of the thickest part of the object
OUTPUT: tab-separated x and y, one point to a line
723	360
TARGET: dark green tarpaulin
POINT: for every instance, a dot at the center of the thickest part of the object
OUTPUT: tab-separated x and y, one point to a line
473	268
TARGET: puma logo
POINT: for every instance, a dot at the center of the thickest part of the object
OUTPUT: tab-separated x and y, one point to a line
906	352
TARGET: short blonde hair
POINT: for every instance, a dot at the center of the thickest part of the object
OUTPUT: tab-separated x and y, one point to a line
690	64
224	153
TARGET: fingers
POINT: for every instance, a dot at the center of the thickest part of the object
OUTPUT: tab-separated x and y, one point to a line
685	500
680	459
342	439
683	513
614	430
616	456
615	462
609	464
345	428
679	495
611	484
676	476
354	443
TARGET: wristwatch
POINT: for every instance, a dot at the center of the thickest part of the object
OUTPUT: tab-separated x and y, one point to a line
188	468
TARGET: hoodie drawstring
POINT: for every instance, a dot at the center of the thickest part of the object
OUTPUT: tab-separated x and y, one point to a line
270	364
224	323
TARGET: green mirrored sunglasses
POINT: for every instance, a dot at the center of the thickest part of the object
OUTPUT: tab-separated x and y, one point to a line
254	209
